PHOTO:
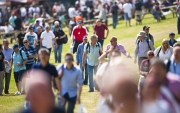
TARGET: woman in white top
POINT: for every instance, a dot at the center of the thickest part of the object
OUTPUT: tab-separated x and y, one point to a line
164	51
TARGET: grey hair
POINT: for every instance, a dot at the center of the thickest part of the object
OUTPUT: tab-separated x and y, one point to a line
43	50
94	36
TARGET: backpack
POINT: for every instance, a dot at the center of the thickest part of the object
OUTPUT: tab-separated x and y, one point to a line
54	83
20	55
88	47
150	36
159	51
147	43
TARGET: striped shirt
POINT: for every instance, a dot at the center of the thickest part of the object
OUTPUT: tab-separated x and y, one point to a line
142	48
30	51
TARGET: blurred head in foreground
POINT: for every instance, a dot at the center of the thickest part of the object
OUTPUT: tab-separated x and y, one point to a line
121	87
39	93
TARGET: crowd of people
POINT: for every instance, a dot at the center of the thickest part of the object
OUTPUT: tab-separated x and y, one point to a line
158	87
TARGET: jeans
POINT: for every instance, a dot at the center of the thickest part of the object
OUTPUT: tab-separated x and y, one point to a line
91	71
115	20
157	15
1	81
71	103
101	41
84	73
7	81
57	53
178	25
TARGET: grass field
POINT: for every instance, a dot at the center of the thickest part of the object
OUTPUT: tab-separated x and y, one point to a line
126	36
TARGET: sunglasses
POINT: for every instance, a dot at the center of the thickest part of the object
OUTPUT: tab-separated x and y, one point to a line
69	59
112	41
147	29
25	42
151	55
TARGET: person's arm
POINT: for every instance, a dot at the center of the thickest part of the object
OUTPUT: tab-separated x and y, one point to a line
102	57
72	36
125	52
94	29
17	40
107	33
135	53
77	55
80	85
151	45
41	40
84	56
24	58
36	40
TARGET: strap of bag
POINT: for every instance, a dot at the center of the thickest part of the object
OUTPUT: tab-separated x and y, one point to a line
159	51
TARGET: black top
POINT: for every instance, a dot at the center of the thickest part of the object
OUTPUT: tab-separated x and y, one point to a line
58	34
138	6
1	62
54	110
17	23
115	9
21	38
39	37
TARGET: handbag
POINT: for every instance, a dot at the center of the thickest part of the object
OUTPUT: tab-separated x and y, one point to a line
81	109
65	39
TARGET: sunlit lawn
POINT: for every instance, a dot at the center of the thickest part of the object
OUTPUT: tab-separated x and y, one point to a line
126	36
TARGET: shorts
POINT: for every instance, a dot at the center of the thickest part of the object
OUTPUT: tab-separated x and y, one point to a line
126	16
18	75
28	66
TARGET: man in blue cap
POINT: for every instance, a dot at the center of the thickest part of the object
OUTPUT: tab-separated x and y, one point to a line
79	54
19	60
172	41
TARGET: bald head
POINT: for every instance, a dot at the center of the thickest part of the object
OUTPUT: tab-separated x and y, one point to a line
39	92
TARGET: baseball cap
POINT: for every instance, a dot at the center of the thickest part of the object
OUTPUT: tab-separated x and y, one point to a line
15	46
146	27
85	38
37	21
171	33
80	22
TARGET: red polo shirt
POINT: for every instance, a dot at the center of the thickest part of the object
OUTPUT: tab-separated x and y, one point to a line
100	30
79	33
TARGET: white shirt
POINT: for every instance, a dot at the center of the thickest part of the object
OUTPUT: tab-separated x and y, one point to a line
71	12
31	10
31	38
127	8
47	39
23	11
7	29
164	56
62	7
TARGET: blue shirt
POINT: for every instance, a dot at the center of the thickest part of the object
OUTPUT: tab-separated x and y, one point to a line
30	51
11	20
70	79
79	53
17	58
35	28
49	68
172	43
174	68
93	54
7	54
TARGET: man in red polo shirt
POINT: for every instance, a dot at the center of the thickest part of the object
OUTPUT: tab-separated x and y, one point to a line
78	33
99	30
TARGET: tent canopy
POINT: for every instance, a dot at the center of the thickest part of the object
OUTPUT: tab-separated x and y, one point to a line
22	1
4	3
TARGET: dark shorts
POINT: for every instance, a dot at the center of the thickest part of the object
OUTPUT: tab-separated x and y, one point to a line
18	76
28	66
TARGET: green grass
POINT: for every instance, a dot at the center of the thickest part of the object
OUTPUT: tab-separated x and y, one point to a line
126	36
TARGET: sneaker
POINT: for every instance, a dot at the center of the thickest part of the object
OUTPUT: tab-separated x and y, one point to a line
17	93
23	92
6	93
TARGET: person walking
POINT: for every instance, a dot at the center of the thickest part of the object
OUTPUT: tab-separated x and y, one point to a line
142	47
39	32
172	41
173	65
99	30
77	35
127	8
144	69
60	35
31	36
72	83
79	55
19	59
165	51
20	37
115	11
7	51
46	38
92	51
2	70
114	45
